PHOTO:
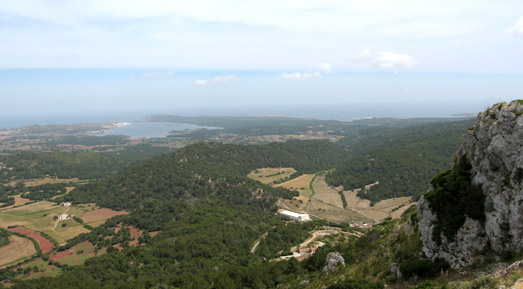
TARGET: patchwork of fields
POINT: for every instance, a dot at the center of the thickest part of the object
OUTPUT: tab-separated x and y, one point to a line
40	222
40	216
320	200
29	218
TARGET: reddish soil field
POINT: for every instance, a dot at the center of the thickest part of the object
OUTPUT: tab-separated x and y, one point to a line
44	244
56	256
60	255
100	215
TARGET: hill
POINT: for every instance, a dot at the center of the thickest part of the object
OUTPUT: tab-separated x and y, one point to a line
210	214
195	171
82	165
402	160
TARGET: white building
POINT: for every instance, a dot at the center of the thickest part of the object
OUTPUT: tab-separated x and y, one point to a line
66	204
296	216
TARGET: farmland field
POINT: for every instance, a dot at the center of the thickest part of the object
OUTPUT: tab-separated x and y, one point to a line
75	259
389	204
18	249
39	217
67	191
397	213
374	214
19	201
325	193
77	255
321	187
71	229
44	244
325	202
97	215
302	185
354	201
73	256
335	214
295	205
44	270
271	175
48	180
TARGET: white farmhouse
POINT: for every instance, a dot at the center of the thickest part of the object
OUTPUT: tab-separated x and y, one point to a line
296	216
64	217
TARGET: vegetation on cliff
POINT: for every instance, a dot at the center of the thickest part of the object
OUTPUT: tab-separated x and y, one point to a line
454	198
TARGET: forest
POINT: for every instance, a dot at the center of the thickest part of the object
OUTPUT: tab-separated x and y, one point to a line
82	165
209	214
402	160
256	126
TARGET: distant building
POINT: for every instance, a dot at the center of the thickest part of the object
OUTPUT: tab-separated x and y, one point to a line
296	216
66	204
63	217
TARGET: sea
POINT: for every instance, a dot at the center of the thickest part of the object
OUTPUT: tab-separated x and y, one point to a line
144	129
151	129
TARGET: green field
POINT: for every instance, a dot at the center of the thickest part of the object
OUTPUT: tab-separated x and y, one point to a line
75	259
271	175
44	270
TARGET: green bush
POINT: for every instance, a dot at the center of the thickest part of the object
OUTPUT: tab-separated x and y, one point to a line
483	282
454	198
4	237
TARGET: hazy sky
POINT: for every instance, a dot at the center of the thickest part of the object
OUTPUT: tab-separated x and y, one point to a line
283	57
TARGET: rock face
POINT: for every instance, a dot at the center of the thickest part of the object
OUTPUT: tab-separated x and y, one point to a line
494	147
333	259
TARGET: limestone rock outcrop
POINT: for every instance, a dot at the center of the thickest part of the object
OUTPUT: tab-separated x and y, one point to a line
332	262
494	148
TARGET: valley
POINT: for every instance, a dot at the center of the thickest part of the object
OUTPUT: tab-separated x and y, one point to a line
261	144
213	205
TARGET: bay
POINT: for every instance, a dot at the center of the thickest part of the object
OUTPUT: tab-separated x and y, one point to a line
151	129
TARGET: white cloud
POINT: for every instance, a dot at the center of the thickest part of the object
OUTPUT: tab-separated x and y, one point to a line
365	55
223	79
200	82
217	80
386	59
325	67
158	74
161	34
301	75
517	29
389	59
324	15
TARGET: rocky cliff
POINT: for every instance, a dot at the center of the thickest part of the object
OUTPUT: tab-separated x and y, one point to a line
476	209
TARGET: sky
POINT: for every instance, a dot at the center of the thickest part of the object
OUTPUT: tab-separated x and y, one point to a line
327	59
